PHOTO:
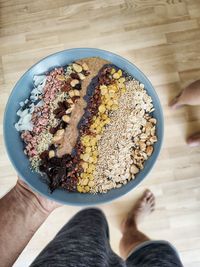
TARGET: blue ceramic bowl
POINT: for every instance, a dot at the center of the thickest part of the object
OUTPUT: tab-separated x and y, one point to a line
14	144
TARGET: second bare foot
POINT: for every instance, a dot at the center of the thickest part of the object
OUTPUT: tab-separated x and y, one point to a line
189	96
143	207
194	140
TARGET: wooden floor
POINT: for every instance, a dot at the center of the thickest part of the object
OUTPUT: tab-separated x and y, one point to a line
162	37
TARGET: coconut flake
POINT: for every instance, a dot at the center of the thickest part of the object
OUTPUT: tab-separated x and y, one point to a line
24	123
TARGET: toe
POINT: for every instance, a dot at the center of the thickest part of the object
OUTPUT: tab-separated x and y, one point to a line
194	140
175	102
152	199
152	208
153	202
147	194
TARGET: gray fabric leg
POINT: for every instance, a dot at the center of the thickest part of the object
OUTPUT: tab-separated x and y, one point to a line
82	242
154	254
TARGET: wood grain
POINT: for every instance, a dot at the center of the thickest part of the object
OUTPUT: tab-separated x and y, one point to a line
162	37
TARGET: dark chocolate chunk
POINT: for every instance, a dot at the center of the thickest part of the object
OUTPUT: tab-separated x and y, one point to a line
53	130
78	86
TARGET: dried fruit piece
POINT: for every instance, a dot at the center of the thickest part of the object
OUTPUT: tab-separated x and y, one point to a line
75	75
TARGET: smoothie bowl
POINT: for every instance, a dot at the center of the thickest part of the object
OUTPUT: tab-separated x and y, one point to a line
83	126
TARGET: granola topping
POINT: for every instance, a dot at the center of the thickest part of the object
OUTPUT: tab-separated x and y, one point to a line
88	127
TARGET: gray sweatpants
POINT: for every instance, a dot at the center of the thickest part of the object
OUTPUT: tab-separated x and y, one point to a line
84	242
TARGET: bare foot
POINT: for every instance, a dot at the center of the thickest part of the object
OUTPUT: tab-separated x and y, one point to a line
143	207
175	102
189	96
194	140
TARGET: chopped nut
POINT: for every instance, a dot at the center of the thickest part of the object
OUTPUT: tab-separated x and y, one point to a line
153	120
66	118
70	101
71	93
77	67
85	66
153	139
74	82
142	145
76	93
134	169
81	76
51	154
153	130
149	150
143	136
69	110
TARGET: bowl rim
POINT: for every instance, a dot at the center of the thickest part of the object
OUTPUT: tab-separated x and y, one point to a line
136	181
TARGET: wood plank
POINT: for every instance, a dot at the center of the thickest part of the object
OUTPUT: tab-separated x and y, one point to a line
162	38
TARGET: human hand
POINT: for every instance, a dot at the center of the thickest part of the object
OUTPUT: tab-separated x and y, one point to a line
42	203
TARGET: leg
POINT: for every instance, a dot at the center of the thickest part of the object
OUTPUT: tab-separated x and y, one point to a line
189	96
132	237
137	248
82	242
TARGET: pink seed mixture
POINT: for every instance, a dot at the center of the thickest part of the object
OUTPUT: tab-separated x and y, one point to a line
40	116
